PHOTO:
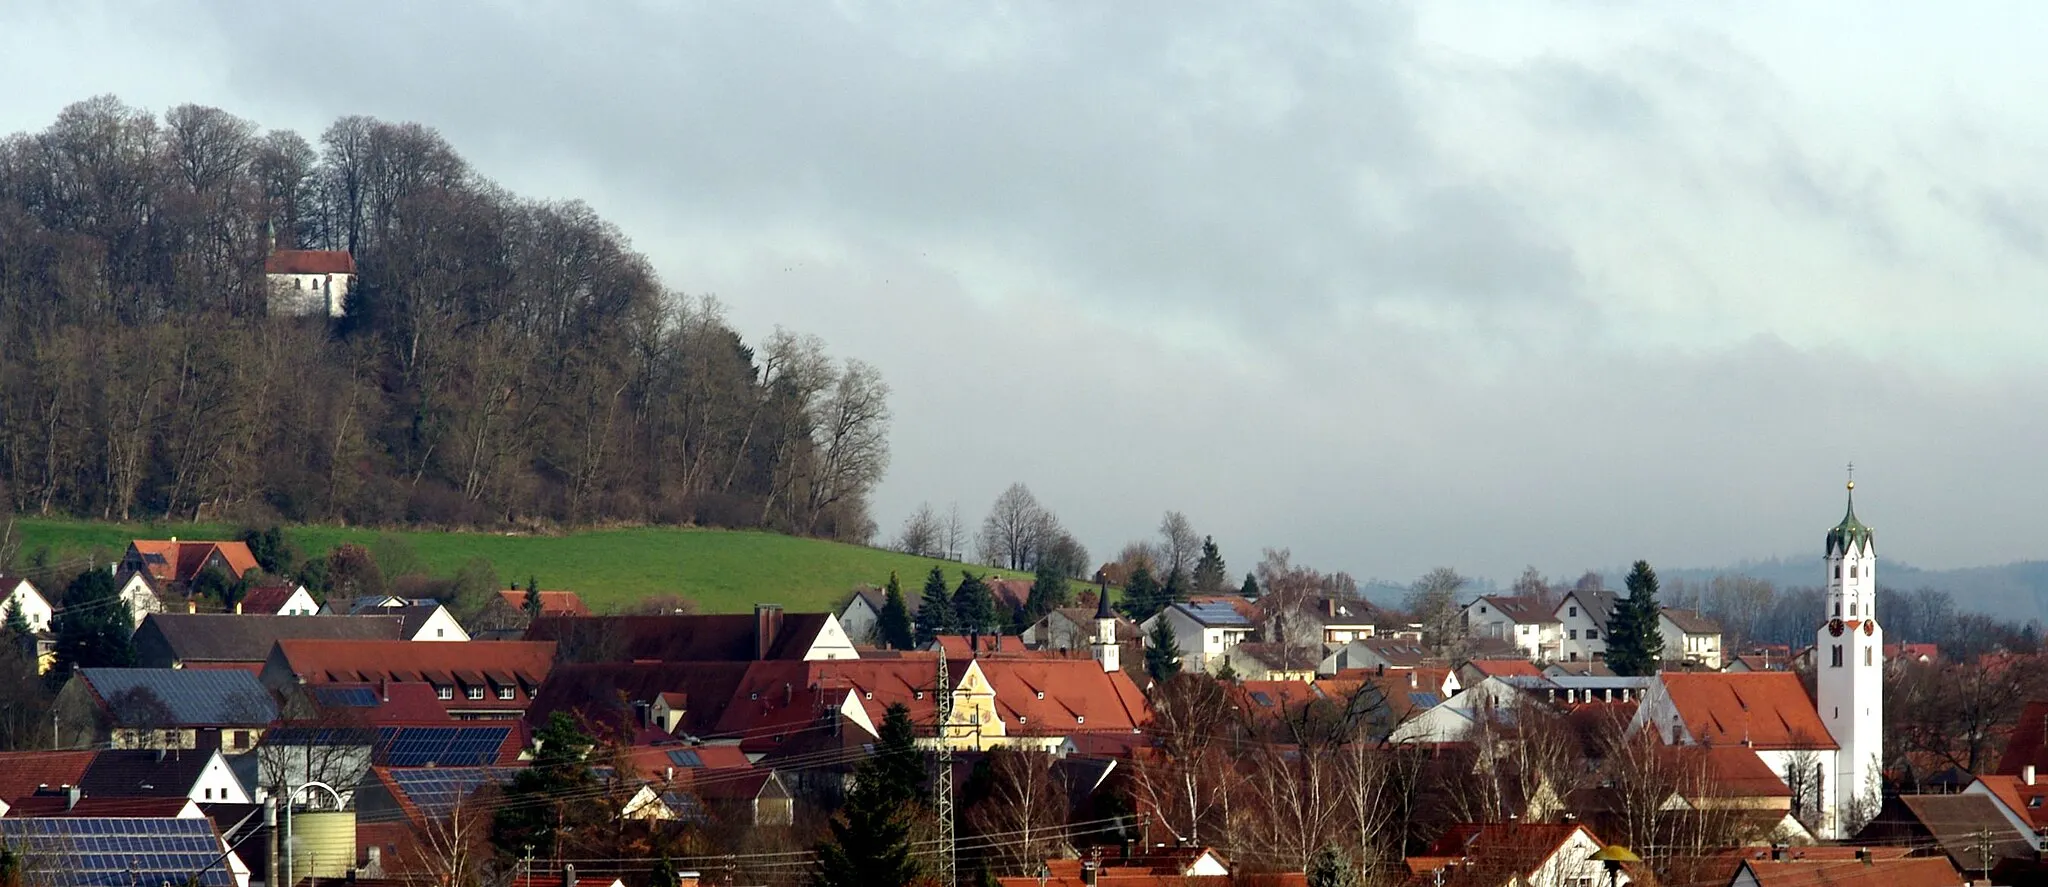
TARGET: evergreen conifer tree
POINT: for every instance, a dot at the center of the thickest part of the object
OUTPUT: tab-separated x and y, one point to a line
1634	643
934	609
892	625
1332	868
1048	593
16	622
93	630
1141	594
974	608
1209	570
547	796
532	607
1250	589
870	843
1162	652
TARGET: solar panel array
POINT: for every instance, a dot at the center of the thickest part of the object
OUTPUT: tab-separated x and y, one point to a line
191	696
1216	613
439	746
1425	700
118	852
685	758
348	697
436	790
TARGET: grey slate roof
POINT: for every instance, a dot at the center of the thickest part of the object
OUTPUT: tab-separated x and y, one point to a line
1597	604
1692	621
191	697
166	638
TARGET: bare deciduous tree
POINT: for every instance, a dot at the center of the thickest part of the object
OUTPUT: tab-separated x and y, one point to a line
1433	601
1026	807
923	533
1179	544
1013	529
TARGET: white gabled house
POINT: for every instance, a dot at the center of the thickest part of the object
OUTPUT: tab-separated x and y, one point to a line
20	595
1690	636
1204	632
1521	621
1582	618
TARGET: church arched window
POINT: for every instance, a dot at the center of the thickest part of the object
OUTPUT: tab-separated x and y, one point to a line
1838	571
1852	571
1852	609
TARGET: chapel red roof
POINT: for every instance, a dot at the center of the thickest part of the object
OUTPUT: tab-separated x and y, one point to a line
1767	710
310	261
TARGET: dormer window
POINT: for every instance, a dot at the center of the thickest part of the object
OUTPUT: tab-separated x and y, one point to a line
476	693
1041	694
1082	719
505	692
444	693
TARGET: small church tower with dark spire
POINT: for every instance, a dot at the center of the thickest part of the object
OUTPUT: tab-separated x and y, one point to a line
1104	646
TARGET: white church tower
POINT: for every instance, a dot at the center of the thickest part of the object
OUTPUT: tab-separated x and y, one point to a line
1848	661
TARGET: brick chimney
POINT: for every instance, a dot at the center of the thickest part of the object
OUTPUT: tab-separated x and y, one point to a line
767	624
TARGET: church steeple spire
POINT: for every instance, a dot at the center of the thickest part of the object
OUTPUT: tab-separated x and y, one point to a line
1850	534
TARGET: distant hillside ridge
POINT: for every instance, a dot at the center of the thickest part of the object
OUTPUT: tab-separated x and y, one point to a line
719	571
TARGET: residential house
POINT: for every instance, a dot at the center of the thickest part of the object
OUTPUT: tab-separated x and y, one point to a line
1521	854
479	680
423	620
309	282
1072	629
18	595
160	708
224	640
864	611
199	775
1690	637
278	599
1476	670
1522	621
142	594
1204	632
767	634
171	562
2024	797
1961	826
1254	661
1454	718
1583	616
506	618
1376	653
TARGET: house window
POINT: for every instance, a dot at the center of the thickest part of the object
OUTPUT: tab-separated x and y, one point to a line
1482	608
241	739
444	692
1592	634
1574	633
1575	611
440	632
1835	657
504	692
476	692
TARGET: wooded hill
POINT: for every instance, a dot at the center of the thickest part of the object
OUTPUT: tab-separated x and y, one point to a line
501	360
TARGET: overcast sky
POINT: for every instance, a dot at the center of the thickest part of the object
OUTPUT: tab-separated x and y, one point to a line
1396	286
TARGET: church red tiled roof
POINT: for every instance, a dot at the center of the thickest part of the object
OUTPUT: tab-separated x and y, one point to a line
1767	710
310	261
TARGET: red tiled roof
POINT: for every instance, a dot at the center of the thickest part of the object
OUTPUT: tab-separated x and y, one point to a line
167	561
310	261
1501	668
397	704
1078	697
2028	743
266	600
956	646
603	693
1273	697
485	664
1768	710
2030	802
1519	848
1010	594
21	772
655	762
1916	872
1929	652
552	603
1727	771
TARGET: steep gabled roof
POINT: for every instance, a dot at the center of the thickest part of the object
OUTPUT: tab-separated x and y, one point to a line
1724	771
1057	697
1595	604
1507	847
1523	610
225	637
2028	743
180	561
1502	668
1768	710
1962	823
2028	802
124	773
310	261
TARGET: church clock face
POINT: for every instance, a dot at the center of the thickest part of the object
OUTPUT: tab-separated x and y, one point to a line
1869	627
1835	627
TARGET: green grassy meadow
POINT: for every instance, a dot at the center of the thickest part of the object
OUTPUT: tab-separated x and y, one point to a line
724	571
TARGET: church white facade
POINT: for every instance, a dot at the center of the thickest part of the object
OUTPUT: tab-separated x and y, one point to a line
1848	663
